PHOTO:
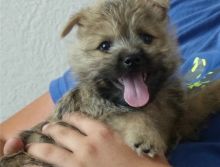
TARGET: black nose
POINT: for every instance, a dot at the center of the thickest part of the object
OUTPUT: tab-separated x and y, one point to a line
132	61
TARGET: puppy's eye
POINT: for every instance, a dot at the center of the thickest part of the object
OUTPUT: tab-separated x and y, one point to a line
147	38
105	46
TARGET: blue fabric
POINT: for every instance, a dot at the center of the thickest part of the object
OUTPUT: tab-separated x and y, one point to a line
197	25
198	29
61	85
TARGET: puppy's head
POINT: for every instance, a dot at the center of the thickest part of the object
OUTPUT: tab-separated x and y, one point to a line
124	49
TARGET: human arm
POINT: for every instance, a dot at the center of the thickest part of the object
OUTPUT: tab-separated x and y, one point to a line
99	147
34	113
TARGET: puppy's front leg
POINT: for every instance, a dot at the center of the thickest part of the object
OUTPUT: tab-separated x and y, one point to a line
139	132
69	103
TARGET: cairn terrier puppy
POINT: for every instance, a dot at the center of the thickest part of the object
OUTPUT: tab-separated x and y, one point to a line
126	62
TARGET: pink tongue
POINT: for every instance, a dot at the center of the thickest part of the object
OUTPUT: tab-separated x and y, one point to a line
135	90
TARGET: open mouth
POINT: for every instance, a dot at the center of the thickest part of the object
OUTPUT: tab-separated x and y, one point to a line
135	90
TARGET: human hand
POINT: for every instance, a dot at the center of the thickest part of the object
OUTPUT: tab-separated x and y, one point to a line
99	147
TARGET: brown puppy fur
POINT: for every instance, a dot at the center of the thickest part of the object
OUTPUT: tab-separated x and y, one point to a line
122	40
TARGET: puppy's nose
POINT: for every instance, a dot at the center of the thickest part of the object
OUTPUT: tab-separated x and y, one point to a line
132	61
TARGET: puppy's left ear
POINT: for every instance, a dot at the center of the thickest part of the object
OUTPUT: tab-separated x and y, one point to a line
74	20
162	3
161	8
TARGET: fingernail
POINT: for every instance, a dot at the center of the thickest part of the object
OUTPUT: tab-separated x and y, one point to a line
45	126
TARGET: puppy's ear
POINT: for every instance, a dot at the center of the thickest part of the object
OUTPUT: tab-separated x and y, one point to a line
74	20
162	3
161	7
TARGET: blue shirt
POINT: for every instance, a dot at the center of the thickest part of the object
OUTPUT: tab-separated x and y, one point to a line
198	29
197	24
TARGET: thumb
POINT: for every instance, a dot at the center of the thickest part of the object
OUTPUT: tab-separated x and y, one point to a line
13	145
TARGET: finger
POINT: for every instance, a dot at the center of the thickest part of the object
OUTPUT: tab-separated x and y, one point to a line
64	136
13	145
86	125
49	153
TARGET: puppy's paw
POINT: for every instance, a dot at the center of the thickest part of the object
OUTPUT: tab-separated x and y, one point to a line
145	149
150	144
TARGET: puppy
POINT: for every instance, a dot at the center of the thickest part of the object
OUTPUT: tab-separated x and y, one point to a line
126	62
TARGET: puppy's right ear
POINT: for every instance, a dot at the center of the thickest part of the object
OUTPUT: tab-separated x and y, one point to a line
74	20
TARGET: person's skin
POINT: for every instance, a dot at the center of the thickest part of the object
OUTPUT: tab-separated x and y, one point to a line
96	146
39	110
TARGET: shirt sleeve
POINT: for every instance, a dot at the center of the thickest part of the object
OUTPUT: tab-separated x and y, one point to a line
61	85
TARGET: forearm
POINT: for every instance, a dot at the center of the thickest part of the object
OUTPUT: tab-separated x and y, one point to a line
31	115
